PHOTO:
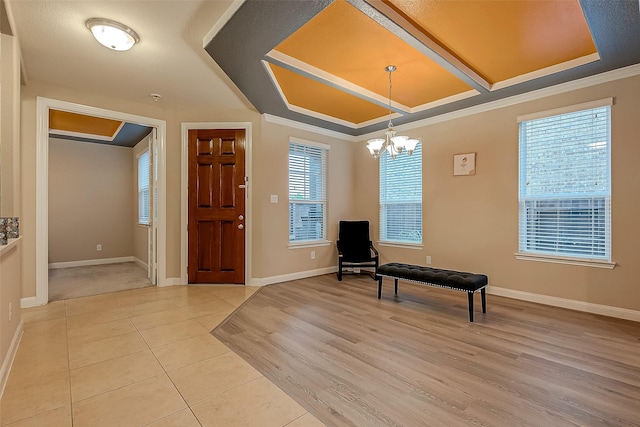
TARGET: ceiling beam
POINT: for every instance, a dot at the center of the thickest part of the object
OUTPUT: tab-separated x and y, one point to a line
405	30
318	75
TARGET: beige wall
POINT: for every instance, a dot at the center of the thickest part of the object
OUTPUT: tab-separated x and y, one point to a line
11	259
90	201
10	278
271	236
470	223
10	129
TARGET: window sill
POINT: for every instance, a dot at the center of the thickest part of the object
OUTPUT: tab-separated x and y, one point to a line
309	244
585	262
401	245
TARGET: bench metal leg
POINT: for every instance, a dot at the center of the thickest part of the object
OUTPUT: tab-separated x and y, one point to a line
379	287
396	285
483	294
470	297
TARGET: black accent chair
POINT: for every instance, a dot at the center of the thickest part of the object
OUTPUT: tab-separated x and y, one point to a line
355	249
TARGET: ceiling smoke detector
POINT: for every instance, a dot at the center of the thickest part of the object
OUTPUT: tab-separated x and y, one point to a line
155	96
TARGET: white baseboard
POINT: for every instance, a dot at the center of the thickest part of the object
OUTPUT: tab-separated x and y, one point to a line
87	262
604	310
264	281
139	263
28	302
9	357
171	281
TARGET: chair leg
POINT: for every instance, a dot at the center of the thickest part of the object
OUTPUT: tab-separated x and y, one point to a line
379	287
340	271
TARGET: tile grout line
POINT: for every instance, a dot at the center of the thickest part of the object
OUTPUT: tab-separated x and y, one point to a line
165	373
67	309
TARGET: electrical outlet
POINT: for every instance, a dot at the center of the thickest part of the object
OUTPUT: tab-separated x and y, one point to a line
313	254
98	247
10	311
274	198
428	259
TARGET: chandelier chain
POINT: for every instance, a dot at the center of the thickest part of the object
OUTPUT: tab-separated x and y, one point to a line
390	88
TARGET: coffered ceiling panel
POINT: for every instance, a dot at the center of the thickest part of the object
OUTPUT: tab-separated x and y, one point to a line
504	39
64	121
84	128
345	43
318	99
321	62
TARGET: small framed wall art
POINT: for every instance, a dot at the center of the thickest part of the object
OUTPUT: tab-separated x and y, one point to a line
464	164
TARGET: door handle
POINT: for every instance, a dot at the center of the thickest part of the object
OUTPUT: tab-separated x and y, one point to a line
242	186
240	226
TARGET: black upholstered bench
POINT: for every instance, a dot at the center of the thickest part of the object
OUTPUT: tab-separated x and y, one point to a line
456	280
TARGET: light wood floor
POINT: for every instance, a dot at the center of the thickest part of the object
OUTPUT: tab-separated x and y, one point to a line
415	360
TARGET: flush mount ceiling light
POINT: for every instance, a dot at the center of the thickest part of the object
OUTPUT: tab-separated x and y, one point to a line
112	34
392	143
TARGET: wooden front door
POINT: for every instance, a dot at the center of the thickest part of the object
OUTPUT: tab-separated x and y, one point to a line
216	206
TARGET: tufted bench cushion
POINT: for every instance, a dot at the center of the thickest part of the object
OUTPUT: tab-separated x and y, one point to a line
456	280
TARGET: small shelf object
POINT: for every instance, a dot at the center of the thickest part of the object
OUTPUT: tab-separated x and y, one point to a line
9	229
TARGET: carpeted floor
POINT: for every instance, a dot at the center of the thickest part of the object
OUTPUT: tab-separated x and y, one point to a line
67	283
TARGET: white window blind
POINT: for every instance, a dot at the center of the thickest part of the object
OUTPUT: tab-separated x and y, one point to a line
401	197
307	192
565	189
143	188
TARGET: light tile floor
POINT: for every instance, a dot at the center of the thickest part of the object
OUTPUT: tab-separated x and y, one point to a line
142	357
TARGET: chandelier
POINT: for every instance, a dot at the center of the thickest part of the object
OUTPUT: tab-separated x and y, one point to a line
392	143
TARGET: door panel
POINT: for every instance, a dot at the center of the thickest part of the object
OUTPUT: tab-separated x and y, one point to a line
216	206
228	185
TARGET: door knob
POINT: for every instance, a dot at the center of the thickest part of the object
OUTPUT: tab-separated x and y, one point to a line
241	217
240	226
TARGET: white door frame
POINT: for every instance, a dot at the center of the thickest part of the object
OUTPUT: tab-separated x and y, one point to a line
42	185
152	232
184	192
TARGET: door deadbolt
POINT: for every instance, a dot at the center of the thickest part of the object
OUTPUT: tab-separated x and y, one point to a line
241	217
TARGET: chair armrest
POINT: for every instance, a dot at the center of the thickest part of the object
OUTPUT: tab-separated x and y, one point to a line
375	251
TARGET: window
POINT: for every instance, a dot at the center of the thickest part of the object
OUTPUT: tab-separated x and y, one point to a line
565	190
307	192
143	188
401	197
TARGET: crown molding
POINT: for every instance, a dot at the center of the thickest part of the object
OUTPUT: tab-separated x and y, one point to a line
609	76
269	118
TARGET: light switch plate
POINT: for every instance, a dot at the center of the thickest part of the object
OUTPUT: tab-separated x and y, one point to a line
274	198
